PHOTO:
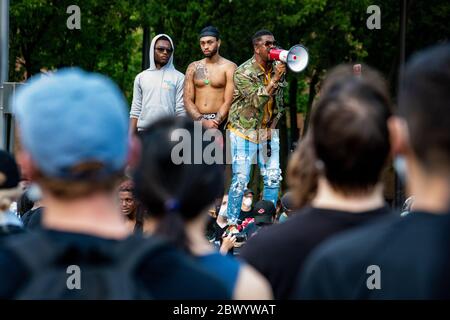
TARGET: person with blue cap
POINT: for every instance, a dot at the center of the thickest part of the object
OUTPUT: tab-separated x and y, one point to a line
73	128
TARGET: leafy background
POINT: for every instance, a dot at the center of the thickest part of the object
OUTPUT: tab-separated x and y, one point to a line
114	32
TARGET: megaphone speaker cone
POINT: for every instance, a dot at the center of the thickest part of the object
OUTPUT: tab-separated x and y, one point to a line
297	58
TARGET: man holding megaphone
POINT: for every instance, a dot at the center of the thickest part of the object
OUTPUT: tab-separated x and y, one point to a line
256	108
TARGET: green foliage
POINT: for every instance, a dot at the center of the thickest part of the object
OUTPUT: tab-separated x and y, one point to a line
302	96
106	43
110	39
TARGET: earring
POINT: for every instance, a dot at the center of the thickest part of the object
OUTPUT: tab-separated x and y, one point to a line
319	165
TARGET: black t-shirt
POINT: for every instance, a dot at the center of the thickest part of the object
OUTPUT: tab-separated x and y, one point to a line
214	232
246	214
32	218
166	272
9	230
411	253
35	221
279	251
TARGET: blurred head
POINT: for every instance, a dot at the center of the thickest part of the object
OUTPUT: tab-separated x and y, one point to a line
73	131
209	41
349	132
263	41
223	206
163	50
345	71
9	180
422	130
302	173
287	202
264	212
128	204
24	204
175	193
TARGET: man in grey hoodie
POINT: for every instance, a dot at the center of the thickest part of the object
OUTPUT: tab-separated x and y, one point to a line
158	91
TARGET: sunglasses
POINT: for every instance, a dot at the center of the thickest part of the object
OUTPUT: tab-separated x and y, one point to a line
270	43
164	49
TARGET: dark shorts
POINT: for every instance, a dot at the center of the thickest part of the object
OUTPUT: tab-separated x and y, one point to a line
226	153
212	116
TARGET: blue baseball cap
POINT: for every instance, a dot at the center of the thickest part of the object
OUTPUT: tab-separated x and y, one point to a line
72	117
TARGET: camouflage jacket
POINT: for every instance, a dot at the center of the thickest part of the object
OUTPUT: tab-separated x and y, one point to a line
251	101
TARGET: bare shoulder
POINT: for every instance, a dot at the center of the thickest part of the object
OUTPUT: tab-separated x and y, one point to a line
228	65
193	65
251	285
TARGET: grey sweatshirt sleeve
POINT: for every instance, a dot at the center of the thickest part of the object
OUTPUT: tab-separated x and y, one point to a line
179	109
136	105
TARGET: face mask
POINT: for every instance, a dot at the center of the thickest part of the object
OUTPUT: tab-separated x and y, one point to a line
34	192
223	210
400	168
247	202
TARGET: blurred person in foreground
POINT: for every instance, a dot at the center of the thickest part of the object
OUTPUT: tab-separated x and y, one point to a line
9	192
351	146
407	257
178	196
75	145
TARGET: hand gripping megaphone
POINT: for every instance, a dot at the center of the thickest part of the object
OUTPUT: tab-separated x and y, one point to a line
296	58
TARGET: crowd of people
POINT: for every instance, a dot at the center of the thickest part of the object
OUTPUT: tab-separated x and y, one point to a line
94	187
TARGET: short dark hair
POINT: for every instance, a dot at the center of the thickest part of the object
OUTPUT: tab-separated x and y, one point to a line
64	189
350	133
258	34
302	173
126	186
424	102
210	31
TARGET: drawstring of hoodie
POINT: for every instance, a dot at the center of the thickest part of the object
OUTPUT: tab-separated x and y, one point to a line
160	85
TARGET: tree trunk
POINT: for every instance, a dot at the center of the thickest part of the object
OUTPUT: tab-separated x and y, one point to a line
293	86
145	48
284	151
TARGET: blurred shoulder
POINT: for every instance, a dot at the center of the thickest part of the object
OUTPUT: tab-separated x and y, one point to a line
13	273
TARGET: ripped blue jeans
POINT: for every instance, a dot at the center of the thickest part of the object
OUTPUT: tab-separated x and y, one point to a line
244	153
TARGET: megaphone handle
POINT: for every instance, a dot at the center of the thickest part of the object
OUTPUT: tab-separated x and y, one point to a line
276	63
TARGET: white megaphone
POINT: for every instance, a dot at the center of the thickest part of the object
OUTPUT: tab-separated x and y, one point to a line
296	58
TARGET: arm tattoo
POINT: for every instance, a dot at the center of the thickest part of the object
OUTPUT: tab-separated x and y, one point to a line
188	89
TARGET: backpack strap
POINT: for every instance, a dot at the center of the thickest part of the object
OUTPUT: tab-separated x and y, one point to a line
34	249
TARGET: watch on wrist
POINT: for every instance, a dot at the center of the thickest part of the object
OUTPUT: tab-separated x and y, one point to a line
219	117
275	84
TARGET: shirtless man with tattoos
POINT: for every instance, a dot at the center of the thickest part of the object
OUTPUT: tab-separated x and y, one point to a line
209	86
